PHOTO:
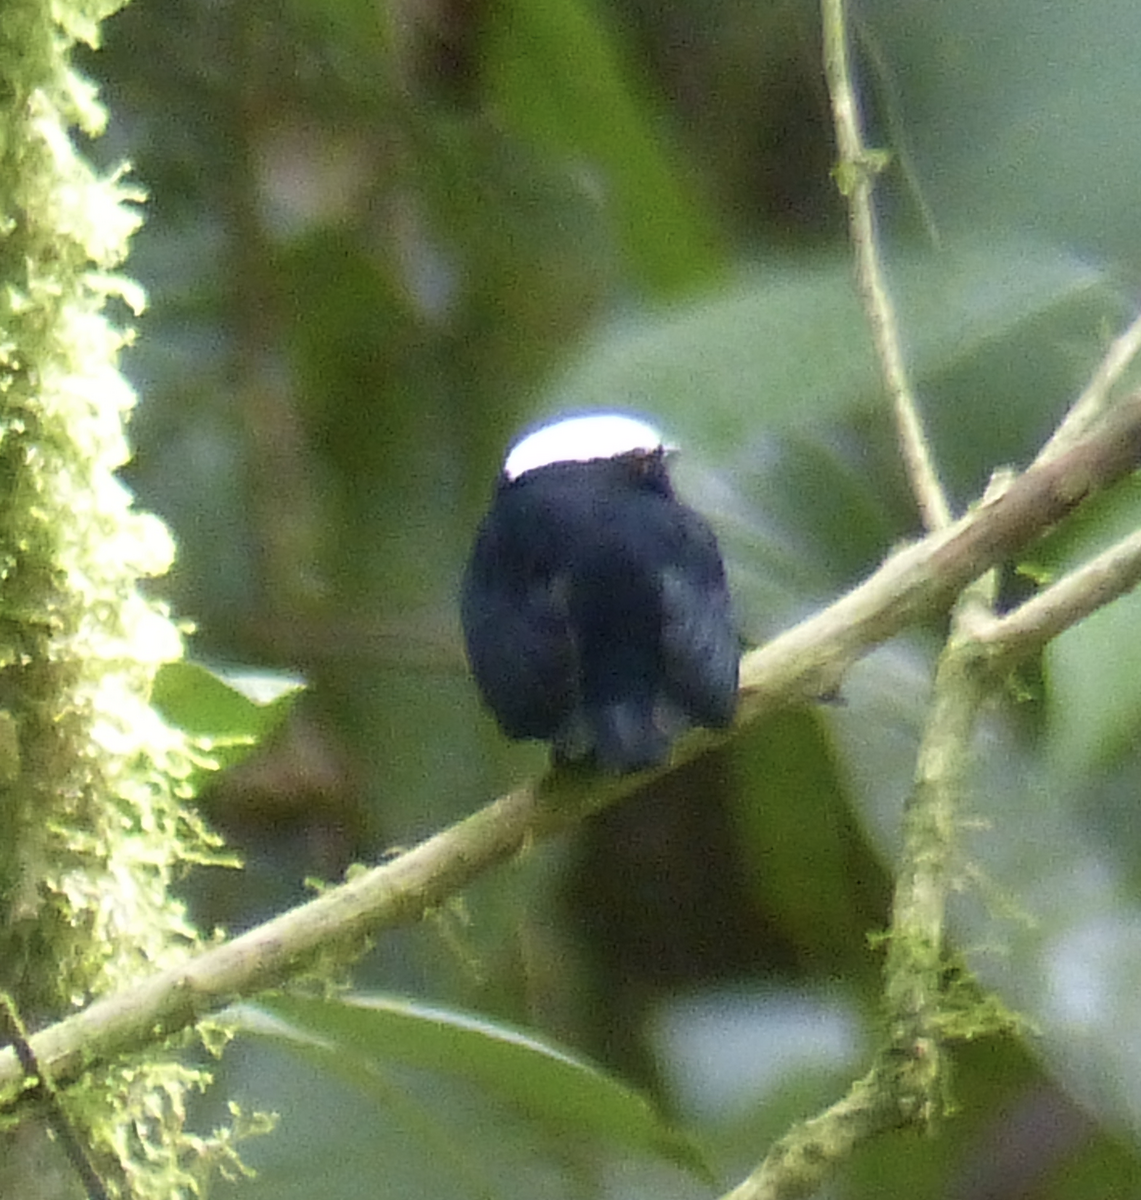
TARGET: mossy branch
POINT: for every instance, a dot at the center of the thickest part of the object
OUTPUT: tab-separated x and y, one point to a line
801	1160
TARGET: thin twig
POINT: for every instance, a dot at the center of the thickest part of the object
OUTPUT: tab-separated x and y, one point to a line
44	1088
1019	634
855	175
1091	404
889	103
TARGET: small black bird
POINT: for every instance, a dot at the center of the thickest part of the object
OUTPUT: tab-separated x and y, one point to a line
595	607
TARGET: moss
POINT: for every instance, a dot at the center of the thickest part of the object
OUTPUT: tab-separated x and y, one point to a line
94	822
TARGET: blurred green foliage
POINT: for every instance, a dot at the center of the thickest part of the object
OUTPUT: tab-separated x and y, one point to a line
383	237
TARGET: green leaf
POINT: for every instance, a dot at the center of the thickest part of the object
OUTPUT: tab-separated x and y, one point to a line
1020	116
792	343
228	716
560	1093
1095	688
1093	684
557	74
805	857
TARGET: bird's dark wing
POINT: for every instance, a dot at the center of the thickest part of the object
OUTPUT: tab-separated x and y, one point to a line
522	654
700	646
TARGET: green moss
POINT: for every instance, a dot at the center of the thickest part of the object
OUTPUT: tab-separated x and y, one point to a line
93	784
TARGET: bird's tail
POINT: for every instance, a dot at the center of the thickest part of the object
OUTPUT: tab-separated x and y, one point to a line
627	738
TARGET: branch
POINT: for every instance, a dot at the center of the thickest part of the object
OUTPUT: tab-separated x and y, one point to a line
1023	632
804	1158
1094	399
806	662
905	1085
913	973
809	660
855	175
906	1082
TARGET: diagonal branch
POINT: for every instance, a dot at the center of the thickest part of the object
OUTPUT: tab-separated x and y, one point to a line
1017	635
810	659
1088	408
805	662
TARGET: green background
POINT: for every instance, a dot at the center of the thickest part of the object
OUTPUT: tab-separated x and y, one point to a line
380	239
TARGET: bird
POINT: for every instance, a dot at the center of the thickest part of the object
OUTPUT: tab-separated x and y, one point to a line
595	607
